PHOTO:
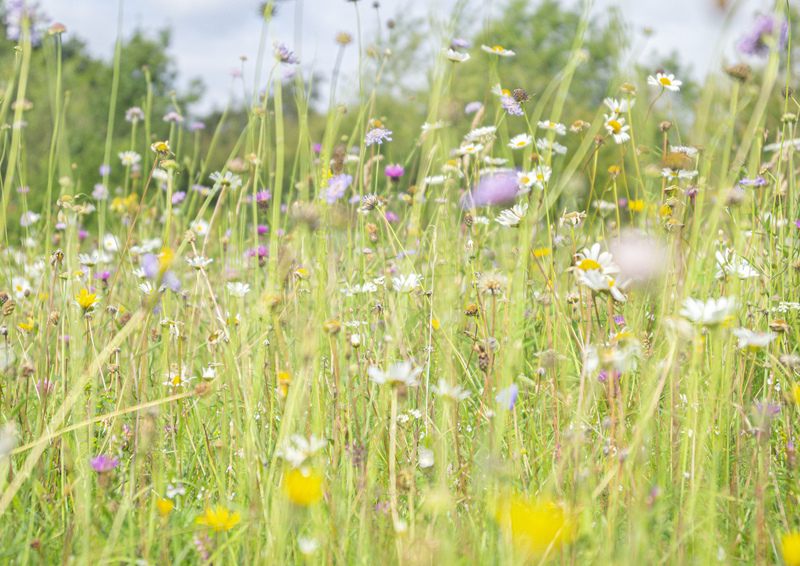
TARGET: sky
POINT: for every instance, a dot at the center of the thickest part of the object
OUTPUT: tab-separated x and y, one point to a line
210	37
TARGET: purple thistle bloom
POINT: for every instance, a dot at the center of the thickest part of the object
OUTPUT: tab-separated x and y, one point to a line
394	171
283	54
103	275
337	185
511	105
508	397
317	147
263	196
391	216
473	107
262	229
82	234
764	26
492	189
103	464
16	12
378	135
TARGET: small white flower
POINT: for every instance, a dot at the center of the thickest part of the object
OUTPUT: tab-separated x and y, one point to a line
199	226
403	284
454	393
483	134
238	289
457	57
198	262
299	449
618	106
544	145
146	288
307	546
709	313
110	243
556	127
469	148
498	50
229	180
129	158
398	373
665	81
512	216
731	264
600	283
425	457
520	141
753	340
617	129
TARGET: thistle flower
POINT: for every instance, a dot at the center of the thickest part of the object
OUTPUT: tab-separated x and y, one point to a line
103	464
394	172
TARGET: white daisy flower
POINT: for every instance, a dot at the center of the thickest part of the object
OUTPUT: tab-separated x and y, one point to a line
618	106
397	374
665	81
457	57
238	289
454	393
753	340
520	141
498	50
556	127
512	216
545	146
709	313
616	127
594	258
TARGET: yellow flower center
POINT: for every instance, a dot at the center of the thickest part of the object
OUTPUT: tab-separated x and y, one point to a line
665	81
588	264
498	48
615	126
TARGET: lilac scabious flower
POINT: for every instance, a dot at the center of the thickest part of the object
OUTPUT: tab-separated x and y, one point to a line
511	105
134	114
103	464
337	185
757	182
508	397
377	135
460	43
283	54
763	27
473	107
100	191
178	197
394	172
391	216
17	11
492	189
173	117
196	126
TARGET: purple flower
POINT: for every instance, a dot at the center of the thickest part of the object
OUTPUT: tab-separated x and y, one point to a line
262	197
511	105
757	182
150	265
377	135
23	190
337	185
171	281
508	397
602	377
103	464
283	54
473	107
460	43
134	114
391	216
317	147
492	189
104	170
623	202
764	26
100	192
82	234
394	171
103	275
16	12
173	117
196	126
619	320
262	229
178	197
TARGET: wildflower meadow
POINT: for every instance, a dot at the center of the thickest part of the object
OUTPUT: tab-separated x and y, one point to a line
538	305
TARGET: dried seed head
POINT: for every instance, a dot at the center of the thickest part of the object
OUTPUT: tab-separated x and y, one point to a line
343	38
468	219
740	72
337	162
4	297
520	95
8	308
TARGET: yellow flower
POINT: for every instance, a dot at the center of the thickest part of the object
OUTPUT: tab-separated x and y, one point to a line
796	391
164	506
541	252
532	526
86	300
303	486
219	519
636	205
435	323
790	548
27	326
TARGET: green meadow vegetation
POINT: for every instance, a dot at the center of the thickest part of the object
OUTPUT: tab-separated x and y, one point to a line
532	304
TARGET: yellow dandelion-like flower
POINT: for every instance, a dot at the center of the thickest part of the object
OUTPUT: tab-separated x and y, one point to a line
790	549
636	205
86	300
544	252
164	506
219	519
532	526
435	323
303	486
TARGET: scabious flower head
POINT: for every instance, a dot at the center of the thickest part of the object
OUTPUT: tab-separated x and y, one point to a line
377	135
283	54
219	519
511	105
173	117
501	188
16	13
759	41
473	107
460	43
134	114
337	185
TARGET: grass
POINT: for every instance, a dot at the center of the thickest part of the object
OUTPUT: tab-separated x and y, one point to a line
391	375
